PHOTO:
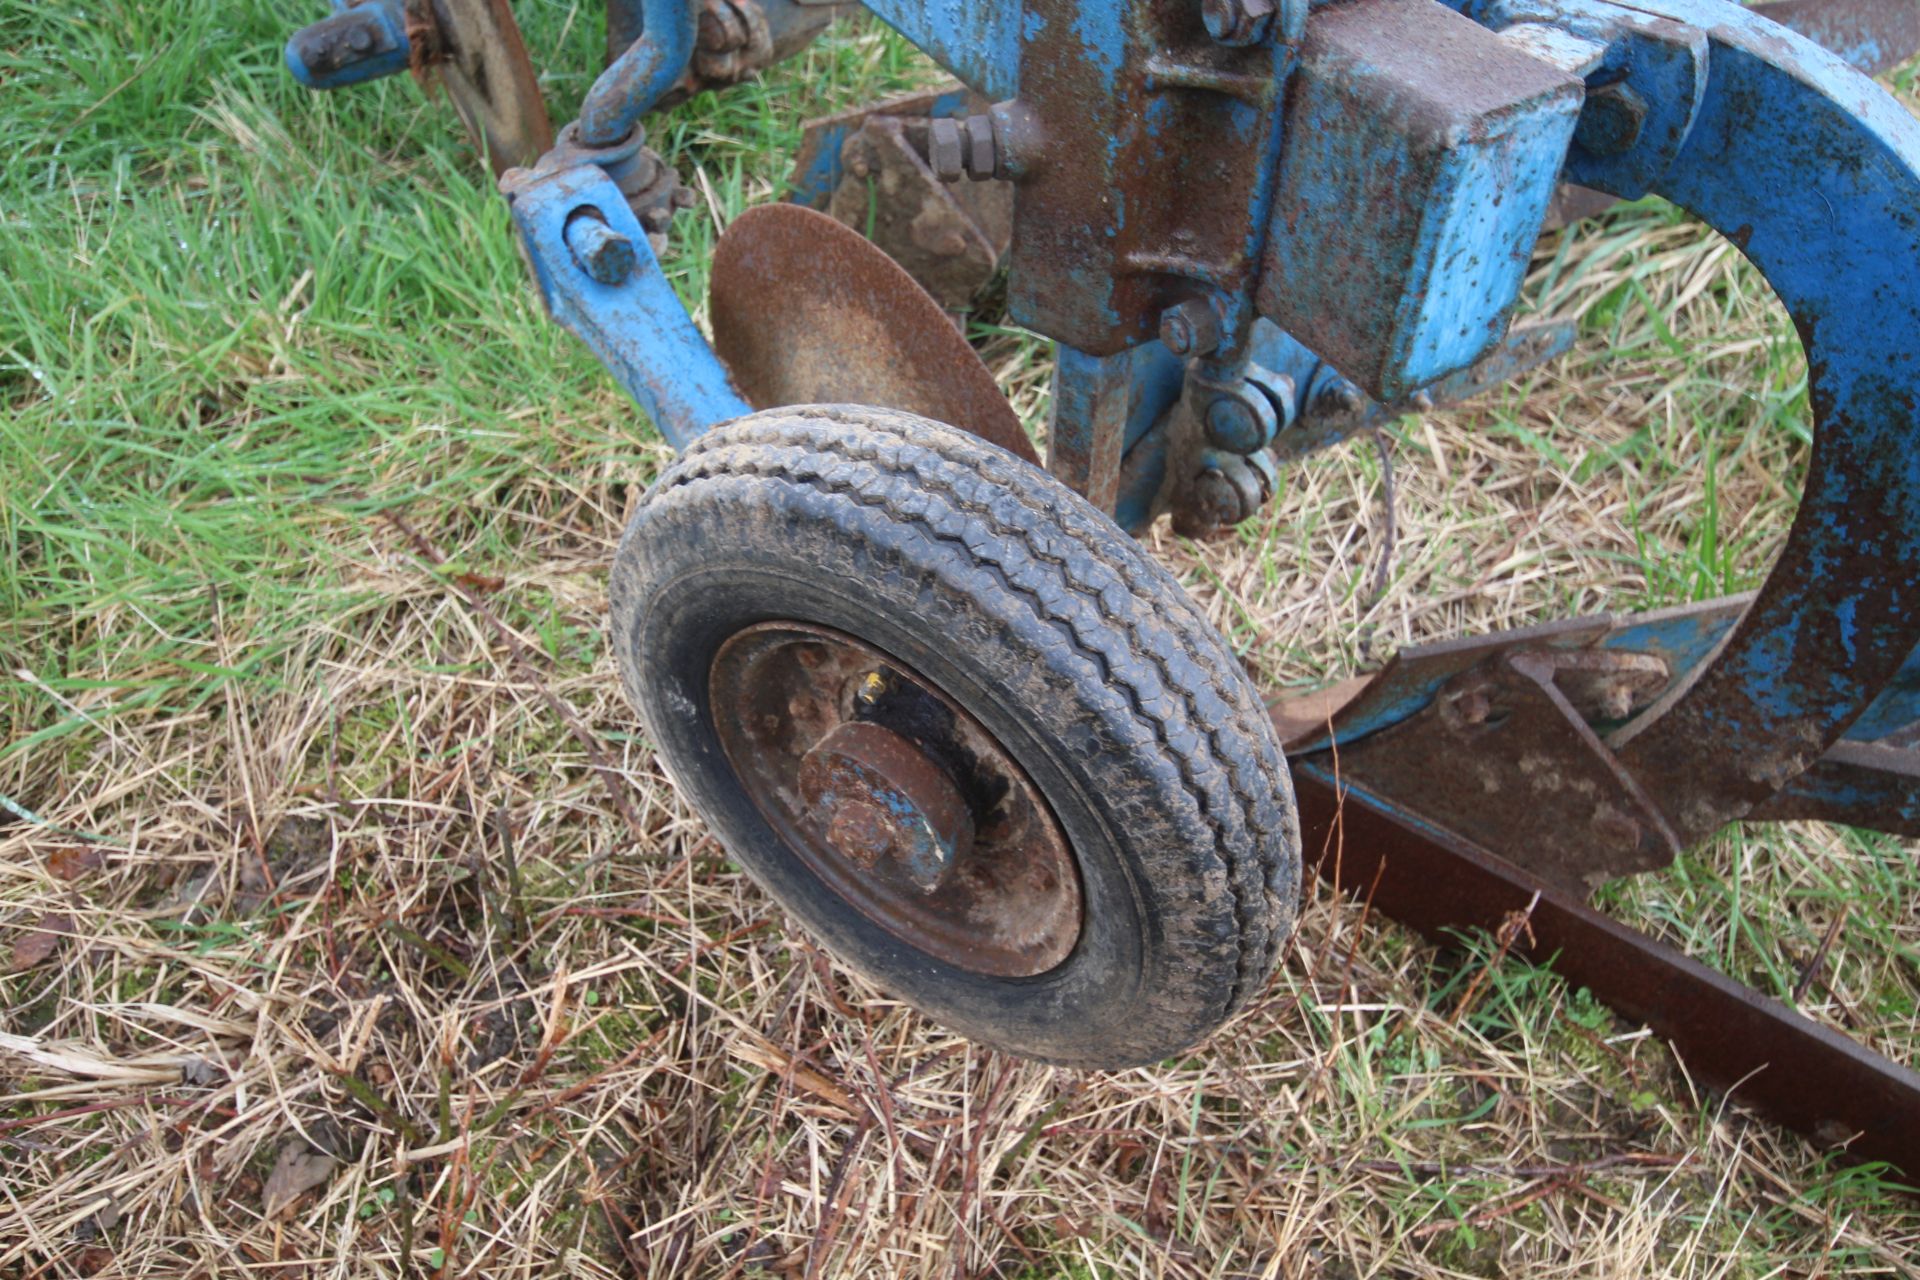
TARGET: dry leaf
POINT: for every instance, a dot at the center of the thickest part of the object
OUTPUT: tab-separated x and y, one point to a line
200	1071
36	944
482	583
93	1260
73	861
298	1170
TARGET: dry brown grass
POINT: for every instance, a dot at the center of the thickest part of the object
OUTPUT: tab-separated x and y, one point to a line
425	920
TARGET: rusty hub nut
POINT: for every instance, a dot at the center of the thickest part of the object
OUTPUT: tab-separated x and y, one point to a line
1237	22
877	797
1190	328
1611	122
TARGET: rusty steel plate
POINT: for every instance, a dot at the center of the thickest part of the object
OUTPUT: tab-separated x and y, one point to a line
475	49
1764	1053
1874	35
901	803
807	311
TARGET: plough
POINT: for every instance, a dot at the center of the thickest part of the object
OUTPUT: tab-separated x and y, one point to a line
930	692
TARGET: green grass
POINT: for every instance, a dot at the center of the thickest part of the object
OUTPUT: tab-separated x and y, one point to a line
239	321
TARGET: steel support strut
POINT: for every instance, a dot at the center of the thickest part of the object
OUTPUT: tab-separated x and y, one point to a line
1814	173
1769	1056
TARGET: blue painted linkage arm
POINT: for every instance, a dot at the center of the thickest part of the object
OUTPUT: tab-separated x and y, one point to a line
641	76
630	317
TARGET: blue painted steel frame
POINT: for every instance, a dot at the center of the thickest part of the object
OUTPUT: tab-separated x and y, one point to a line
1814	172
1808	167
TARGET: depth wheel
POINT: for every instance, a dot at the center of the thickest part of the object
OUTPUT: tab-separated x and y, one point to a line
959	724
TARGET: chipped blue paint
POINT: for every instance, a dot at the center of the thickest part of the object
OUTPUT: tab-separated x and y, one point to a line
979	41
1896	708
1102	29
638	329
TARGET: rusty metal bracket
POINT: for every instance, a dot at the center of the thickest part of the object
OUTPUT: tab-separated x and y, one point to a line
1504	756
949	238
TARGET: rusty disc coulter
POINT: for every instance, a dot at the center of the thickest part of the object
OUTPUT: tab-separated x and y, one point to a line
897	799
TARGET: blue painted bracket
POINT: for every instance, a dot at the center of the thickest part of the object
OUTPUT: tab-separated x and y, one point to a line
636	325
1814	172
360	42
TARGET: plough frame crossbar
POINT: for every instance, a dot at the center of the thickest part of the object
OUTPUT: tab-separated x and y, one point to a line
1253	229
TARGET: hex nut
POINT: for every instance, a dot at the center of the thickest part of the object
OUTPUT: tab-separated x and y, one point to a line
1190	328
1612	120
946	150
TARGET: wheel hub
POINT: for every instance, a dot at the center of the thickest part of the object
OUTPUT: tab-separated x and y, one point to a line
896	798
880	796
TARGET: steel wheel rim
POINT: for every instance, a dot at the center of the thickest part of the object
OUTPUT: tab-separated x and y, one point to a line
1007	902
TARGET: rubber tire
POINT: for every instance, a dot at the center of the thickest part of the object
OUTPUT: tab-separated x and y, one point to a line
1058	633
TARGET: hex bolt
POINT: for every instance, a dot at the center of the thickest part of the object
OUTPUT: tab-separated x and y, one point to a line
1190	328
1213	502
1611	122
1237	23
961	149
602	252
1339	398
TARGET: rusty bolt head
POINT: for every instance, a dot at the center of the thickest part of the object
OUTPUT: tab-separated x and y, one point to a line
603	253
721	28
1190	328
1213	502
1612	120
1468	705
1339	398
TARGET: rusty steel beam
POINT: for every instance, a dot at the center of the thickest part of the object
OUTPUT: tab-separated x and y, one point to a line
1798	1072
